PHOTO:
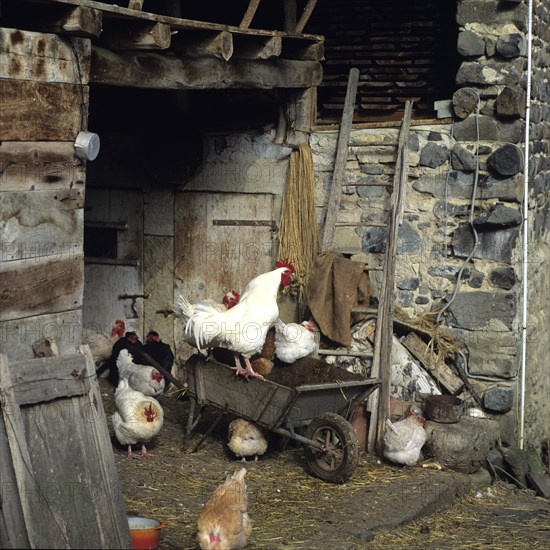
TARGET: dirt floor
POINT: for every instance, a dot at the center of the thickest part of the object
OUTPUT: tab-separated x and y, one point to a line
291	509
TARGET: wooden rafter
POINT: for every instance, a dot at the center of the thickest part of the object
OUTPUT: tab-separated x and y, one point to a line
249	14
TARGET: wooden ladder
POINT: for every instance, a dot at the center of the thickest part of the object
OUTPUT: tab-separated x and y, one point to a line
381	356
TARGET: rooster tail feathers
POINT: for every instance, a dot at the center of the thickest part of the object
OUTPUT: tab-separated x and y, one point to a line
183	308
124	358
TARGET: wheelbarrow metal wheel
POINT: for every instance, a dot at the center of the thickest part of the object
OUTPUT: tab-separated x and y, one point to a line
338	459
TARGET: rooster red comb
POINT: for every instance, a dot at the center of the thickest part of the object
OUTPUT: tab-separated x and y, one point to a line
282	263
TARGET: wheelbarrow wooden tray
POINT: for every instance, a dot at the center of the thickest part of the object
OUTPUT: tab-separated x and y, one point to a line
267	403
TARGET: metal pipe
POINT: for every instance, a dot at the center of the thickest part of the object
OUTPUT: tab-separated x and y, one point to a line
525	226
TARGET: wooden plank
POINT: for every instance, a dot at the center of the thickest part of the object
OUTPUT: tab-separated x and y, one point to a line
40	165
41	224
13	533
39	111
428	359
72	503
381	367
306	14
338	176
203	43
26	55
113	11
151	70
75	21
49	378
17	336
289	10
298	49
257	48
144	36
36	531
249	14
49	285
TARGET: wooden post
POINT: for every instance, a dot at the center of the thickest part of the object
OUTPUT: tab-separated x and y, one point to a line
249	14
340	161
306	14
384	331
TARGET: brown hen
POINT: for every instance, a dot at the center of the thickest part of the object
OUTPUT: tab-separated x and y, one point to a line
223	523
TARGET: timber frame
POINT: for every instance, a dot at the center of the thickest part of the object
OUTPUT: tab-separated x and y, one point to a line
133	48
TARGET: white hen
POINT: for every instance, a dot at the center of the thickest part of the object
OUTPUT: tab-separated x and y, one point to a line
142	378
138	418
294	341
243	328
403	440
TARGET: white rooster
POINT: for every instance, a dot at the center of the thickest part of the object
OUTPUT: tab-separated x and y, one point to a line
138	418
243	328
404	439
183	309
143	378
294	341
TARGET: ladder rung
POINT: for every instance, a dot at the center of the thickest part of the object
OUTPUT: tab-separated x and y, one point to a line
373	268
346	353
361	224
364	309
369	184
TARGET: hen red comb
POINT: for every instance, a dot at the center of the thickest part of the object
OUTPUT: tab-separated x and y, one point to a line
282	263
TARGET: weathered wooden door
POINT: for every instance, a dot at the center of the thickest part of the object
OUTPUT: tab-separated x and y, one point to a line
60	486
222	241
113	248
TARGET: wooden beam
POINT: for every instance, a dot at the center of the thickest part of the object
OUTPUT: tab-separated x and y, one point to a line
44	285
203	44
76	21
41	111
257	47
40	165
301	49
113	11
143	36
249	14
306	14
152	70
27	55
135	4
289	9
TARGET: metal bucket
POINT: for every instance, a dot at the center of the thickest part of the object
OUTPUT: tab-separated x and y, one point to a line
443	408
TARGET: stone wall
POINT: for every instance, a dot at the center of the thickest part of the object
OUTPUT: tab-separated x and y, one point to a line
482	146
537	401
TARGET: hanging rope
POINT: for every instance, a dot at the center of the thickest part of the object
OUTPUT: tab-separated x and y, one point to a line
298	240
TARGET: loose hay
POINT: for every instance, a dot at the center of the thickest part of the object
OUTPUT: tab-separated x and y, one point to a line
291	509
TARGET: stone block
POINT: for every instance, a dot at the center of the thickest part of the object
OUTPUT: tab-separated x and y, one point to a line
422	300
408	239
489	73
408	284
449	272
374	240
462	159
511	45
459	186
491	13
501	215
507	160
476	279
433	155
475	310
490	129
511	102
498	399
470	44
503	277
493	244
465	102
